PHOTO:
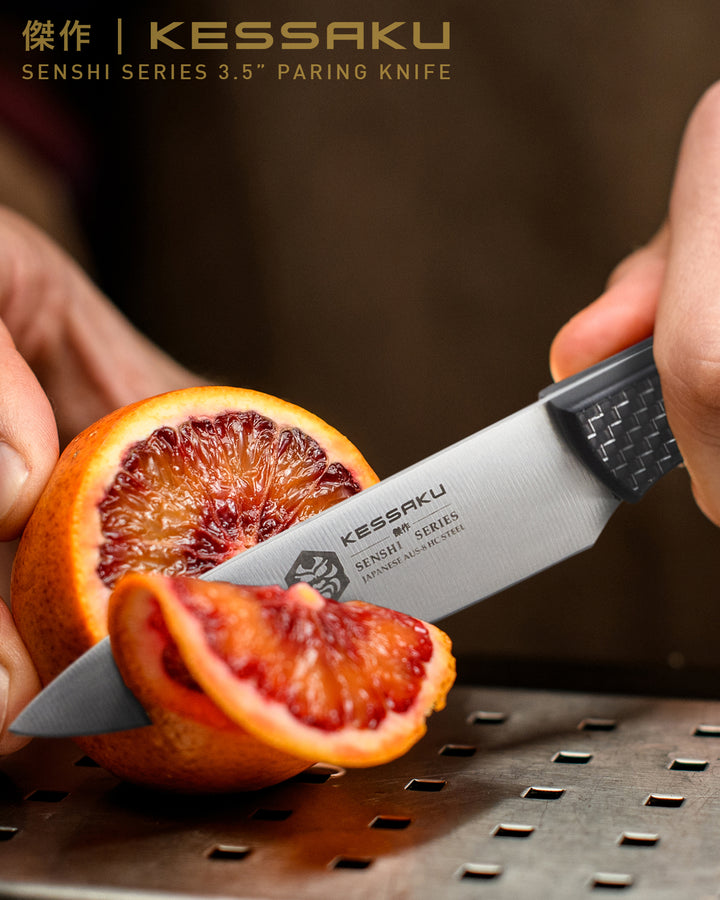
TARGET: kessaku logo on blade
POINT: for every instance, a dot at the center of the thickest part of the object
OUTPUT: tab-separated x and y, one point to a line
417	502
322	570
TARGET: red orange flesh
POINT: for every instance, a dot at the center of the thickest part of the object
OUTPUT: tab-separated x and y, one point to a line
348	683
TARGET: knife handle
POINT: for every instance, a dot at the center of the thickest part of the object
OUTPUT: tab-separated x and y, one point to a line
613	416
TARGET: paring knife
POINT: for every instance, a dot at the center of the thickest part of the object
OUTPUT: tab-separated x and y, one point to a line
477	517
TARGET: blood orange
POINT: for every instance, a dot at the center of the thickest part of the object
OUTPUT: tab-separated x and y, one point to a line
174	485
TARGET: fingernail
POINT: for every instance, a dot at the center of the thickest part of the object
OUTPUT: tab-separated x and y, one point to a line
13	474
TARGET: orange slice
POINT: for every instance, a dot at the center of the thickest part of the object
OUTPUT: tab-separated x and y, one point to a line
348	683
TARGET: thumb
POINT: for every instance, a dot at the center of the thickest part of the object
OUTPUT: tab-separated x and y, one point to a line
28	439
687	328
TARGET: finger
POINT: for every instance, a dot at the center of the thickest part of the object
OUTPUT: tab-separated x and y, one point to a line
28	439
88	357
18	681
623	315
687	332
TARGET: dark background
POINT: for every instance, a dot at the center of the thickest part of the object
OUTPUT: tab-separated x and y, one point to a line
397	257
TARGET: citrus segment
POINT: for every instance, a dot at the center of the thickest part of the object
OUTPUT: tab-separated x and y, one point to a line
348	683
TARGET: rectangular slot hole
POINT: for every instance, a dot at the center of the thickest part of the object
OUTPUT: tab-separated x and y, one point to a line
318	774
392	823
513	831
87	762
351	862
425	784
689	765
458	750
271	815
638	839
572	757
707	731
45	796
671	801
480	871
486	717
612	880
229	852
598	725
310	777
7	833
543	793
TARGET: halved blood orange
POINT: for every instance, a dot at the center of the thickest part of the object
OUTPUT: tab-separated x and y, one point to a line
174	484
348	683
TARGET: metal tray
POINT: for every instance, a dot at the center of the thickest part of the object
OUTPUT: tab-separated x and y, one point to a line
511	794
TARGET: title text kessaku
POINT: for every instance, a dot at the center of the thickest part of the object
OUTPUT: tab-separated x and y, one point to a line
298	36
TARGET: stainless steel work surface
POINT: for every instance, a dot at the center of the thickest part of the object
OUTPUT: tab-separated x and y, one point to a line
511	794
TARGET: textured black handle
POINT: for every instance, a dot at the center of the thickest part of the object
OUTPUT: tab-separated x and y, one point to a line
614	416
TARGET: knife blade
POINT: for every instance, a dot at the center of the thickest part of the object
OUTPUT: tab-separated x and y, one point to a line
489	511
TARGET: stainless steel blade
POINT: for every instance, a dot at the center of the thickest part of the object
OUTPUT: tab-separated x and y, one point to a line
89	697
453	529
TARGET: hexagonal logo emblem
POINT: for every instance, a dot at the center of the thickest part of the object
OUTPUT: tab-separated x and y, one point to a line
322	570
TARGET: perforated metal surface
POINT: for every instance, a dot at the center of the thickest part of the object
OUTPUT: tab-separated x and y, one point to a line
511	794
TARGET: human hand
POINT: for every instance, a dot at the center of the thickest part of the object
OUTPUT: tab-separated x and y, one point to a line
671	287
60	338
